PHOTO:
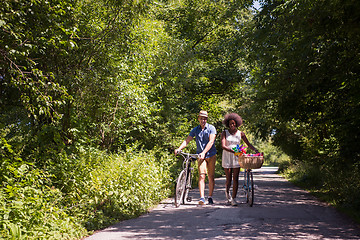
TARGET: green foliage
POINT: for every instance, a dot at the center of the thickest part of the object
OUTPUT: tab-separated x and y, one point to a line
120	187
75	74
304	67
305	72
35	38
29	207
273	155
206	30
335	184
97	190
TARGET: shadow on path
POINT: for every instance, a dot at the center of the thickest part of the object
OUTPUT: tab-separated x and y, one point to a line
280	211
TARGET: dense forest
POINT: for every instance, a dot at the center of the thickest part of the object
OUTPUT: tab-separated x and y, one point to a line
95	96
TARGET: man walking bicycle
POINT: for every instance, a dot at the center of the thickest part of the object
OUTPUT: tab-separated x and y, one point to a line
204	135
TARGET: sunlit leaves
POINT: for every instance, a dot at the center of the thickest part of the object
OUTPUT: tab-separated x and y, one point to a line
301	50
36	35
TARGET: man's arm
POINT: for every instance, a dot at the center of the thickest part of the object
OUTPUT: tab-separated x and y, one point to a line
184	144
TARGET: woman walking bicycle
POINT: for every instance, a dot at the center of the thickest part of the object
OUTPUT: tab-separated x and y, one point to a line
230	138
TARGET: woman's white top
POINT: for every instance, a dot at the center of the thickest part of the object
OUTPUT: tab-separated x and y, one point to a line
229	160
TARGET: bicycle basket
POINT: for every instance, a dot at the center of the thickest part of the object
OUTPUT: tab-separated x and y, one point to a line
250	162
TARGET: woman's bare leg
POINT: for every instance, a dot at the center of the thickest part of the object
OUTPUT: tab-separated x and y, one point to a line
236	172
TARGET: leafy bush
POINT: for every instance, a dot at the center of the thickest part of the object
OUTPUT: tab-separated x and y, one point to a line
29	207
121	187
302	174
335	184
98	189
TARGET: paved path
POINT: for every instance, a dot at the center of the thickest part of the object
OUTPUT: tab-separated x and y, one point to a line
280	211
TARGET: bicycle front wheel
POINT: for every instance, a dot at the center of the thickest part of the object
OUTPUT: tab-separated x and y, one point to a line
180	188
250	188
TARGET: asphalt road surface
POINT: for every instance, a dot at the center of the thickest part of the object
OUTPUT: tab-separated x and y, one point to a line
280	211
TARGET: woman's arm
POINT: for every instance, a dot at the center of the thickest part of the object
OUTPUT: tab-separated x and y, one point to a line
243	137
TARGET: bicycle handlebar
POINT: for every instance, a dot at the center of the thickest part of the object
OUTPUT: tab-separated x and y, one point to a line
188	155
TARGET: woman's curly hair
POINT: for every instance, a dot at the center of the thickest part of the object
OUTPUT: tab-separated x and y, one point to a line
232	116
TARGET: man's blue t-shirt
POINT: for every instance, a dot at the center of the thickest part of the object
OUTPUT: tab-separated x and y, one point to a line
202	138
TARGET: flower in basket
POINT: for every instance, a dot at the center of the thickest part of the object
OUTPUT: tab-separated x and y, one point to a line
239	150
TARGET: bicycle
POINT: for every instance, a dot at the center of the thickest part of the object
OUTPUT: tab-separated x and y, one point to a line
248	162
183	182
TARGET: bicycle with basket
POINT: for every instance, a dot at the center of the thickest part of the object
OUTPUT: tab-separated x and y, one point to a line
249	162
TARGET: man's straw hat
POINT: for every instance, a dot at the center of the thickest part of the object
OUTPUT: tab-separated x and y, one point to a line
203	114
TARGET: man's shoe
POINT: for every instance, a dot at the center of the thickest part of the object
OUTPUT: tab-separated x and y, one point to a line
210	200
233	202
202	201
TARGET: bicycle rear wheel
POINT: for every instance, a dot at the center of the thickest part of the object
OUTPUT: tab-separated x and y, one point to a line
187	186
180	188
